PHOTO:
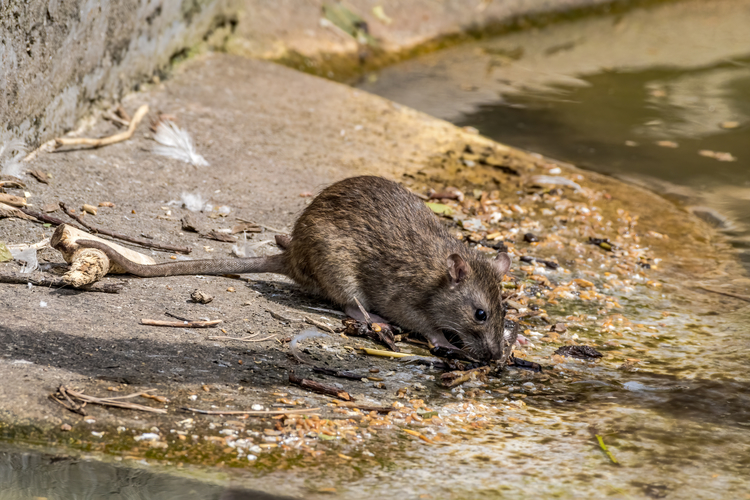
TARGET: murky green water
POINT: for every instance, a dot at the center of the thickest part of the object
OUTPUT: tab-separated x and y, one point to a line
658	96
26	475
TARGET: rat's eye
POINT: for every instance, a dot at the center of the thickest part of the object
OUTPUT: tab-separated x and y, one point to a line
480	315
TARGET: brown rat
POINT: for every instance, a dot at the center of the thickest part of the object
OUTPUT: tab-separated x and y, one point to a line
371	239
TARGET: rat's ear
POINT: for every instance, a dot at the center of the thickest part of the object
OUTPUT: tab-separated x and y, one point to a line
502	262
458	269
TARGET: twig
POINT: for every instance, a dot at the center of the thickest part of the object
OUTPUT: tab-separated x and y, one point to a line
728	294
44	217
384	354
104	141
604	448
13	201
279	317
379	409
72	406
181	324
11	211
166	313
114	118
314	386
241	339
12	184
320	325
338	373
124	237
368	320
252	413
69	394
419	435
322	309
17	279
269	228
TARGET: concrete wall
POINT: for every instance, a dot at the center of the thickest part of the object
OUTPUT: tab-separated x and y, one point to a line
58	58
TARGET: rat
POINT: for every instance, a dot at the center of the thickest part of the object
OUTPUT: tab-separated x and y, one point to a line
370	239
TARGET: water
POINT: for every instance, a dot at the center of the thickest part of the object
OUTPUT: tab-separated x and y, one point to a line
638	96
26	475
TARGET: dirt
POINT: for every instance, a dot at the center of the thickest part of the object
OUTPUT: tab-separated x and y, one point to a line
273	137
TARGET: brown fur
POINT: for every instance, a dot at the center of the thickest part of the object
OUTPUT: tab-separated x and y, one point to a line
369	238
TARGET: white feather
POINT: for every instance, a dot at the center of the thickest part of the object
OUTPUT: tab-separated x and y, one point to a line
28	257
307	334
11	155
193	202
176	143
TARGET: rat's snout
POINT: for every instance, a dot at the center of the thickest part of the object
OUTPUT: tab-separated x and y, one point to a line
501	345
498	351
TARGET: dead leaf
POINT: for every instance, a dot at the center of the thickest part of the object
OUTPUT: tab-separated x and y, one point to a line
439	208
40	176
188	224
215	235
5	254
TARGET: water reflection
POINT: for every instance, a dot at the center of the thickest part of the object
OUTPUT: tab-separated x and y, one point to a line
28	475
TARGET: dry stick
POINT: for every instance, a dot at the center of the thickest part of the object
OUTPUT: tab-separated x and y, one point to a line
109	401
44	217
18	279
114	118
314	386
12	184
379	409
269	228
385	354
419	435
252	413
241	339
124	237
338	373
166	313
13	201
320	325
368	320
728	294
104	141
70	405
181	324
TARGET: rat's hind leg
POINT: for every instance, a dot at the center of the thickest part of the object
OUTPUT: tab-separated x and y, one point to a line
283	241
353	311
